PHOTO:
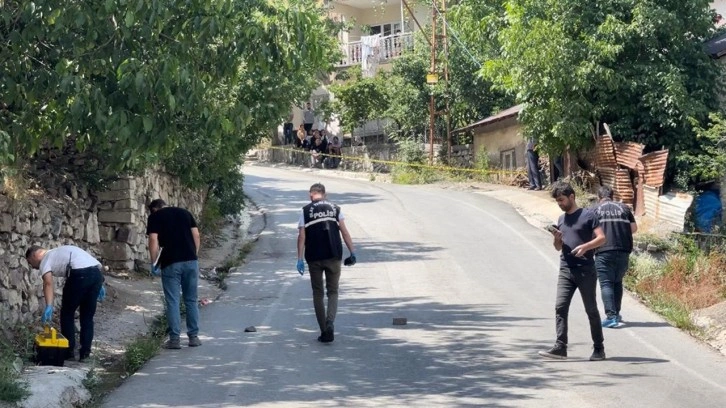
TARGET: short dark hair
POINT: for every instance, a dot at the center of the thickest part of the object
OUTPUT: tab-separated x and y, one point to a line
157	204
32	250
317	188
560	188
605	192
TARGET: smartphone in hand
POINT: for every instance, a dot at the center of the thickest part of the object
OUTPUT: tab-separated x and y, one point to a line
552	229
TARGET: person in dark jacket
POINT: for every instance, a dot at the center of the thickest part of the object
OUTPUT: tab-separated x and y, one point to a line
320	227
611	260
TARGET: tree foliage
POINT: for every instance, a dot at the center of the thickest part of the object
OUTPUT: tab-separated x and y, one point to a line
638	65
403	96
190	85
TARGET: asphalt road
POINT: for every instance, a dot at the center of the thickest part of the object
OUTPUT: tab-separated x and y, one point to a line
474	280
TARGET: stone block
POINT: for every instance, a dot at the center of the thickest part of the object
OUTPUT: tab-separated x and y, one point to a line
37	229
122	265
105	206
114	195
120	217
126	234
5	202
126	204
106	233
15	279
92	235
123	184
22	227
56	224
116	251
6	222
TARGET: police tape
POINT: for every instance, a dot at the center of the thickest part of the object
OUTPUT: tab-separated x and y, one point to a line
404	164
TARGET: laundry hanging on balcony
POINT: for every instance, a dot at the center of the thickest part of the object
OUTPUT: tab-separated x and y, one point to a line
369	53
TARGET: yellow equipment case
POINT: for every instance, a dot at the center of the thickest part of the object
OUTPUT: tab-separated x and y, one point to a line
51	347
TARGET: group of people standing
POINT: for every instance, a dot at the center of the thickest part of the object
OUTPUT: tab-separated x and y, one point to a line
324	151
595	244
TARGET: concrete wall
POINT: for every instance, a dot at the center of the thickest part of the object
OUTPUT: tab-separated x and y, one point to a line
499	137
110	224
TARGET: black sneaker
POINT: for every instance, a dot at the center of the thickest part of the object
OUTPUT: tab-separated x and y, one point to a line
330	330
324	337
598	354
558	352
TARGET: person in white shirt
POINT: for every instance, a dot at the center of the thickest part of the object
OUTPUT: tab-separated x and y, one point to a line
82	289
308	118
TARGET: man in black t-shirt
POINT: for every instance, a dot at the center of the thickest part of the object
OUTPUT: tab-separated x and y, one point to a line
577	235
320	227
174	241
611	261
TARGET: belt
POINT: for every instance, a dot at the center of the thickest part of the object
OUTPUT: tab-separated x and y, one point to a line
83	271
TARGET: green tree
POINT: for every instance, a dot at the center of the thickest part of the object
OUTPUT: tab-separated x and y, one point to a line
189	85
638	65
360	99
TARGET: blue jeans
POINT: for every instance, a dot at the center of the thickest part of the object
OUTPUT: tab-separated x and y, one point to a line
611	269
184	277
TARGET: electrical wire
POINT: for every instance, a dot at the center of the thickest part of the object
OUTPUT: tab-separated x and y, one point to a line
453	33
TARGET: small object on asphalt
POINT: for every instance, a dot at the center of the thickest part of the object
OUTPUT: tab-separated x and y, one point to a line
400	321
250	329
204	302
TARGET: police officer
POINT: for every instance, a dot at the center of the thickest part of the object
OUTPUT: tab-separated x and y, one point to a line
320	227
612	259
82	288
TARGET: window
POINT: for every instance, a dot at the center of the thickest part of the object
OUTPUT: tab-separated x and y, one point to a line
386	29
508	159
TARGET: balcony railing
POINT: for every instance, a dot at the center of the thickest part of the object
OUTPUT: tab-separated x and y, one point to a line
389	47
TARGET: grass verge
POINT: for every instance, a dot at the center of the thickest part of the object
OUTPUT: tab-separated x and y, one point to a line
101	382
687	279
15	351
233	262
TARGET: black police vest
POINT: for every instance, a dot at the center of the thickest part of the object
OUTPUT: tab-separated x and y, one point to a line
322	233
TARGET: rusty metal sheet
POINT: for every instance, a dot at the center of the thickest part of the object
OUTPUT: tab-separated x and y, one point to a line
607	176
668	210
639	209
628	154
654	166
623	187
605	152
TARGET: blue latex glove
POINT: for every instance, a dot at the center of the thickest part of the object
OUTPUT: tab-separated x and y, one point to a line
102	294
300	266
47	314
155	270
350	261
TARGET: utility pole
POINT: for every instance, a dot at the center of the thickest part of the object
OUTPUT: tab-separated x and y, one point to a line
447	96
439	65
432	77
432	80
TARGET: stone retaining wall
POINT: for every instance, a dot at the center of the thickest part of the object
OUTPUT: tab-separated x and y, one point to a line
109	224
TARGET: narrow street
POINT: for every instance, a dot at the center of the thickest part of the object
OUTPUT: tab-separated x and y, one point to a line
476	283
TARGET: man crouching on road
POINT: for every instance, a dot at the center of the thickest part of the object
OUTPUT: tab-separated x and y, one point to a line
320	226
577	234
